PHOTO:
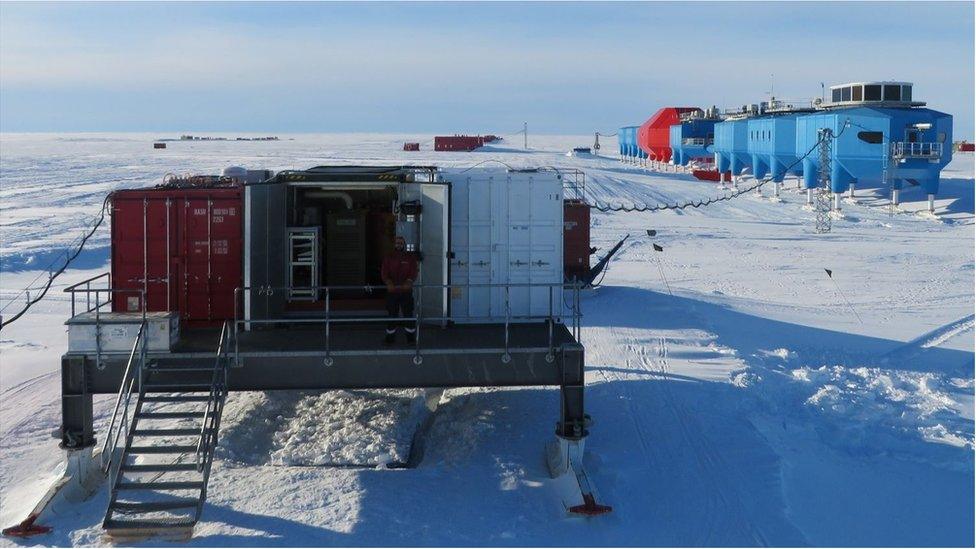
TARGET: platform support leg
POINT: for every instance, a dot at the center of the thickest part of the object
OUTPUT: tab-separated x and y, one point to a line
850	192
77	430
572	420
931	203
836	202
809	197
775	189
895	199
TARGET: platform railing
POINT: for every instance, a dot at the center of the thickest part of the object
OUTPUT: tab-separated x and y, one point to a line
120	423
85	288
551	317
88	291
923	150
697	141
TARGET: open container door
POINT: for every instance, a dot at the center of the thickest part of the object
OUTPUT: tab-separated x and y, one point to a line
432	242
264	250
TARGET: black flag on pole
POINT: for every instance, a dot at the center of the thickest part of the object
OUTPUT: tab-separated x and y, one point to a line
830	274
657	248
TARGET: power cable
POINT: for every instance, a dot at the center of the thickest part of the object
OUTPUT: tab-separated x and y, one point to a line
53	276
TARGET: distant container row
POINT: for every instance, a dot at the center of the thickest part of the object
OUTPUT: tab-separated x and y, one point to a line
462	142
882	138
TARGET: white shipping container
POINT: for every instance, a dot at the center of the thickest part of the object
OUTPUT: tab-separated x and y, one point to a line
118	332
506	227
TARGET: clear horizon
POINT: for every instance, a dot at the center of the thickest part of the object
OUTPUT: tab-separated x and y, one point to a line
567	69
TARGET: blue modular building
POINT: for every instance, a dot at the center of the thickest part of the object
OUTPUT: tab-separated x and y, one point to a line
627	139
880	134
731	146
772	144
693	137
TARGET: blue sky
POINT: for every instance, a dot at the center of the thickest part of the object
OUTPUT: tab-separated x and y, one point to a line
441	67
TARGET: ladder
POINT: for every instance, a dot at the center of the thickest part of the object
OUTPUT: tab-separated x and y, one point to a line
159	480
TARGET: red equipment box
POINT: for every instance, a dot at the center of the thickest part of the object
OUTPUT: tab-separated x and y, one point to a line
411	146
183	246
576	239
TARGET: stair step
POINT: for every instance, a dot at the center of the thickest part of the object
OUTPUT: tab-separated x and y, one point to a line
175	398
181	369
167	432
150	506
149	525
160	485
158	467
172	449
178	385
168	415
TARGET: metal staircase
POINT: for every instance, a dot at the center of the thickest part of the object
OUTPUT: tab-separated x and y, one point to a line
159	477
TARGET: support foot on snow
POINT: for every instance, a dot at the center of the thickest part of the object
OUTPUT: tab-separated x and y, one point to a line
26	529
564	456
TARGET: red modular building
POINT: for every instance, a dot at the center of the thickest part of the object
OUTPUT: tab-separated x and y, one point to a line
654	135
458	142
183	246
966	147
411	146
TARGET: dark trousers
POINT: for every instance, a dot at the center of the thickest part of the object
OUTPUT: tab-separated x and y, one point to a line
399	304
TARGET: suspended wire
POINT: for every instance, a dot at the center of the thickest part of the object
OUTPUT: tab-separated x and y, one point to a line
473	166
56	274
46	270
644	207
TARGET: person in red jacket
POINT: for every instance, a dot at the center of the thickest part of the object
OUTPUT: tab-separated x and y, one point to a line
398	272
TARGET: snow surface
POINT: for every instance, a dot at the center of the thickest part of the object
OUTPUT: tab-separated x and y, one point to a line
738	399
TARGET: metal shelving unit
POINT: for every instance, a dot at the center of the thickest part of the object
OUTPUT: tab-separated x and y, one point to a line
303	262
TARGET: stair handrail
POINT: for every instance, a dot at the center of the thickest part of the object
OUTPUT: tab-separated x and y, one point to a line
218	383
129	381
211	422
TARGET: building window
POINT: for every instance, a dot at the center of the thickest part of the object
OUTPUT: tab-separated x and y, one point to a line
892	93
835	95
871	137
942	137
845	94
856	93
872	93
906	93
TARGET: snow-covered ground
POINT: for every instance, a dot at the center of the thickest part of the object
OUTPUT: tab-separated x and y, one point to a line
740	396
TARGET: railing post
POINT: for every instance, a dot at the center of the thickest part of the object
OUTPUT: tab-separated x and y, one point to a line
508	315
328	332
237	300
550	355
417	311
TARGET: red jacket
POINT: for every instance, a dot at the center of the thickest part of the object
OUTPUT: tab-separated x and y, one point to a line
398	267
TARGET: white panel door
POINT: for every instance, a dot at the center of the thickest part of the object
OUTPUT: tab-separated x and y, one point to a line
434	245
506	229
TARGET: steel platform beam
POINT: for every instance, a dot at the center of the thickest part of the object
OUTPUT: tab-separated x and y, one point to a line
296	359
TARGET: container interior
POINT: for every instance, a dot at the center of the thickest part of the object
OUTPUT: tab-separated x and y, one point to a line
338	237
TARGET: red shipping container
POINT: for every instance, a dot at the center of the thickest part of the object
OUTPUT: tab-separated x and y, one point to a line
411	146
183	246
966	147
458	142
576	239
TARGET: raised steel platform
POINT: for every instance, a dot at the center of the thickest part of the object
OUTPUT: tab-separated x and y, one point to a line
295	357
